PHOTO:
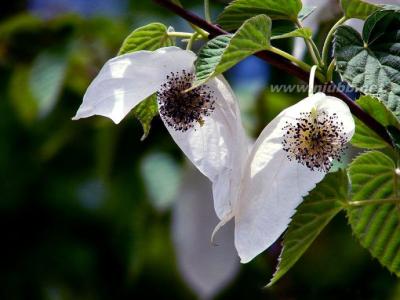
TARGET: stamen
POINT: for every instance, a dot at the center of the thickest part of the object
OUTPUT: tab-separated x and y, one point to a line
180	109
314	140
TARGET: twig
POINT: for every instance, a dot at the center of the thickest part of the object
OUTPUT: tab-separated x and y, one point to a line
283	64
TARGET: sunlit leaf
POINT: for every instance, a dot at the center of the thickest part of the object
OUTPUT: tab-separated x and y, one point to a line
223	52
316	211
377	226
239	11
47	77
149	37
358	9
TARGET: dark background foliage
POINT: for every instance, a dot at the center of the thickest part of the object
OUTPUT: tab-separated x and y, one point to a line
76	217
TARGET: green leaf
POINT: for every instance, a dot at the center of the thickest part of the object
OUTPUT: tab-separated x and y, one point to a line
145	111
364	137
358	9
47	78
376	226
240	10
300	32
371	64
149	37
225	51
316	211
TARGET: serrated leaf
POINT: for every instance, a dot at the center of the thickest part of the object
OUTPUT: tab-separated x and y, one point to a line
145	111
371	64
316	211
376	226
364	137
358	9
223	52
304	32
240	10
149	37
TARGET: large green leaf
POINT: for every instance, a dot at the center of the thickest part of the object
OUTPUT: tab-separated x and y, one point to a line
377	226
149	37
364	137
358	9
223	52
240	10
371	63
316	211
145	111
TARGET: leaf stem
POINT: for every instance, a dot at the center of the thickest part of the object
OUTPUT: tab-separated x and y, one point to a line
331	68
187	35
373	202
200	31
283	64
312	48
207	14
328	40
304	66
191	40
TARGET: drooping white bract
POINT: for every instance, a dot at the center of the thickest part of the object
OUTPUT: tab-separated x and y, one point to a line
291	155
205	268
211	136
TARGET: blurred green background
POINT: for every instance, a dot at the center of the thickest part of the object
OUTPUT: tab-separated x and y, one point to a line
86	207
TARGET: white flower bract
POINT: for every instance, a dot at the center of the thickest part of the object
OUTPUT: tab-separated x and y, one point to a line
259	186
215	146
272	184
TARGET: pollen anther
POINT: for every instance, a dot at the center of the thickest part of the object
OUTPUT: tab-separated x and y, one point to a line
182	109
314	139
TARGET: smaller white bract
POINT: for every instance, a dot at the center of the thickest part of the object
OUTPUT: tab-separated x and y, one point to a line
292	154
260	186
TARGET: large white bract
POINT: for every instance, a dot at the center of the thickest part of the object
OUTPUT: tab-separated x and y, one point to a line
259	186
